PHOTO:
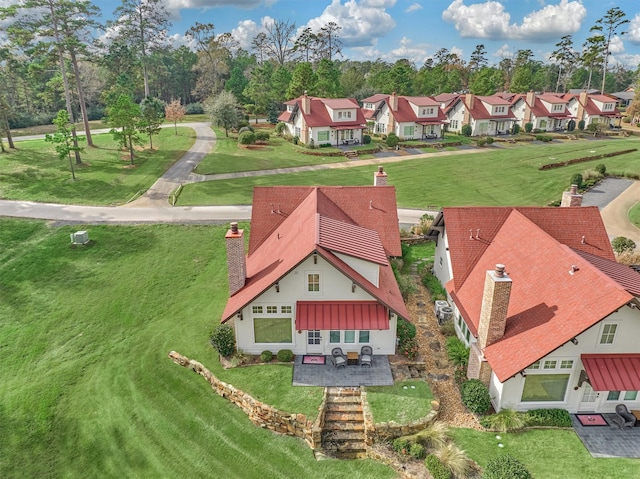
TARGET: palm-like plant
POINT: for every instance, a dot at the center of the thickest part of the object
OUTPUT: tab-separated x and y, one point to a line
454	459
435	436
505	420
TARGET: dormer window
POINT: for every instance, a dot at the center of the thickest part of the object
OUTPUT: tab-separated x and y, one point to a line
608	333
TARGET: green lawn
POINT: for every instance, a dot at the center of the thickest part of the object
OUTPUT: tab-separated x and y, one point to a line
228	157
86	388
33	171
497	176
403	402
547	454
634	215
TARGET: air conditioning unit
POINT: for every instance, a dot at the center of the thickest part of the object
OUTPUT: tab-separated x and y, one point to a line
446	314
80	237
439	305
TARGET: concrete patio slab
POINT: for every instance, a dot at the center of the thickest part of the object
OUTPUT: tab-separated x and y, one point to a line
379	374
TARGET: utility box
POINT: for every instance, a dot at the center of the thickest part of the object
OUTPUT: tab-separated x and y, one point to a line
80	237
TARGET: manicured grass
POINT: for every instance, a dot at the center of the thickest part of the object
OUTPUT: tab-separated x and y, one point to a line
634	215
493	177
86	387
228	157
548	454
33	172
403	402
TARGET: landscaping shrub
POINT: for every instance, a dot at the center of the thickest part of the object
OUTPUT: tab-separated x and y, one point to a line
620	245
601	168
577	180
401	446
505	467
409	349
247	138
434	286
571	125
457	352
466	130
406	285
490	140
194	109
544	138
481	142
262	136
366	139
223	340
528	127
475	396
434	436
392	140
417	451
244	128
504	421
281	128
285	355
454	459
405	330
548	417
423	226
448	329
266	356
581	125
436	468
296	140
515	129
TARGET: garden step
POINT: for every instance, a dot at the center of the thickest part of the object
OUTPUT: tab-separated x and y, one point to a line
343	416
344	400
340	435
344	408
343	426
344	391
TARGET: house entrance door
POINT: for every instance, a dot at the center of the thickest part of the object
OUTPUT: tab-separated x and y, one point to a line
314	342
588	400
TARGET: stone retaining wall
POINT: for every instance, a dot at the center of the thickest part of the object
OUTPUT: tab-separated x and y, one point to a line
262	415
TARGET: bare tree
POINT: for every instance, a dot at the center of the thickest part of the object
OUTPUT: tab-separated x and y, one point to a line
613	19
279	41
329	40
258	45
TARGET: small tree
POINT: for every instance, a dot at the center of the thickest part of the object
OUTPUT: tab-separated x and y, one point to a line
581	125
124	118
621	245
281	128
223	110
392	140
223	340
515	129
151	117
466	130
577	180
62	139
571	125
528	127
174	112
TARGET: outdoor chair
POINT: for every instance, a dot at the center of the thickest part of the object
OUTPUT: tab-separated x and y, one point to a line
338	358
366	356
623	417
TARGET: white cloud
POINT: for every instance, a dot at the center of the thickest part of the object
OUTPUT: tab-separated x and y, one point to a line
503	52
361	21
414	7
616	45
490	20
407	49
206	4
634	29
245	32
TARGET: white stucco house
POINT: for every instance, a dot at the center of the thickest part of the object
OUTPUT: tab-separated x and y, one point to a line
552	321
487	115
545	111
594	108
317	273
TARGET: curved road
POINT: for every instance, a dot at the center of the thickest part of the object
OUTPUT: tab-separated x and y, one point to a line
613	197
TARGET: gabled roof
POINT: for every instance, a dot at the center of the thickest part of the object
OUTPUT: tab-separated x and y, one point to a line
556	293
378	97
319	116
479	111
405	113
289	224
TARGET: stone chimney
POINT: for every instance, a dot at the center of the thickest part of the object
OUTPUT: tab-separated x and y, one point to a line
380	177
531	98
583	99
571	197
469	99
306	103
393	101
236	259
492	323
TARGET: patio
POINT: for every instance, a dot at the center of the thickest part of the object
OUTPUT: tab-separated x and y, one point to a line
379	374
610	440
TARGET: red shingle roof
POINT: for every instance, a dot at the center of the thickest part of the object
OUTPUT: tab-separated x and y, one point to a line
405	113
319	115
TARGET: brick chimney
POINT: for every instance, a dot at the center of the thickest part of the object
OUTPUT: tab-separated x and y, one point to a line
531	99
306	103
393	102
469	99
571	197
492	323
582	105
380	177
236	260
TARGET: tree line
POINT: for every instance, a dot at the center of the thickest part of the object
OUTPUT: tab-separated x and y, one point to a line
54	60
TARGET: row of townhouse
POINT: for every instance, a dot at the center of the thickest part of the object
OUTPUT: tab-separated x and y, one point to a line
341	121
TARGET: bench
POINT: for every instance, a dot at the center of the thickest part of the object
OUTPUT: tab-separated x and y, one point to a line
355	141
430	136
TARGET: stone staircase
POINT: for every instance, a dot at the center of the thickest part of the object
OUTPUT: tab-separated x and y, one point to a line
351	155
343	435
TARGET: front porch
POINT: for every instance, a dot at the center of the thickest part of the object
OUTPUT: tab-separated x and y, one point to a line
325	375
609	440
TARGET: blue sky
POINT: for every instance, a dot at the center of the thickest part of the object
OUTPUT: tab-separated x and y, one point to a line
416	29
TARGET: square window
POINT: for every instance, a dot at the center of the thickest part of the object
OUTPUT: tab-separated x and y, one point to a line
630	395
313	282
323	136
285	309
535	365
608	333
613	396
272	330
334	337
272	309
568	364
363	337
550	364
349	336
257	309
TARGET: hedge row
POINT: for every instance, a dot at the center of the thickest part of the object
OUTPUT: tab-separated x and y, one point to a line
550	166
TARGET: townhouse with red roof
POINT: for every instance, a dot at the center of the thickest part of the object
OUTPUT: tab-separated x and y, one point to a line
409	117
487	115
551	319
545	111
594	108
370	107
334	121
317	272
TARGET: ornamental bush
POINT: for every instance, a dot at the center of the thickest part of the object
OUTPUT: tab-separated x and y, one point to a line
571	125
436	468
409	349
577	180
244	126
505	466
466	130
392	140
262	136
475	396
285	355
405	330
581	124
528	127
266	356
458	352
601	168
504	421
417	451
548	417
620	245
515	129
366	139
247	138
281	128
490	140
223	340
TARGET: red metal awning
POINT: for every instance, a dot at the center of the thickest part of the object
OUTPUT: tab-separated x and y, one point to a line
341	315
347	127
613	372
431	122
